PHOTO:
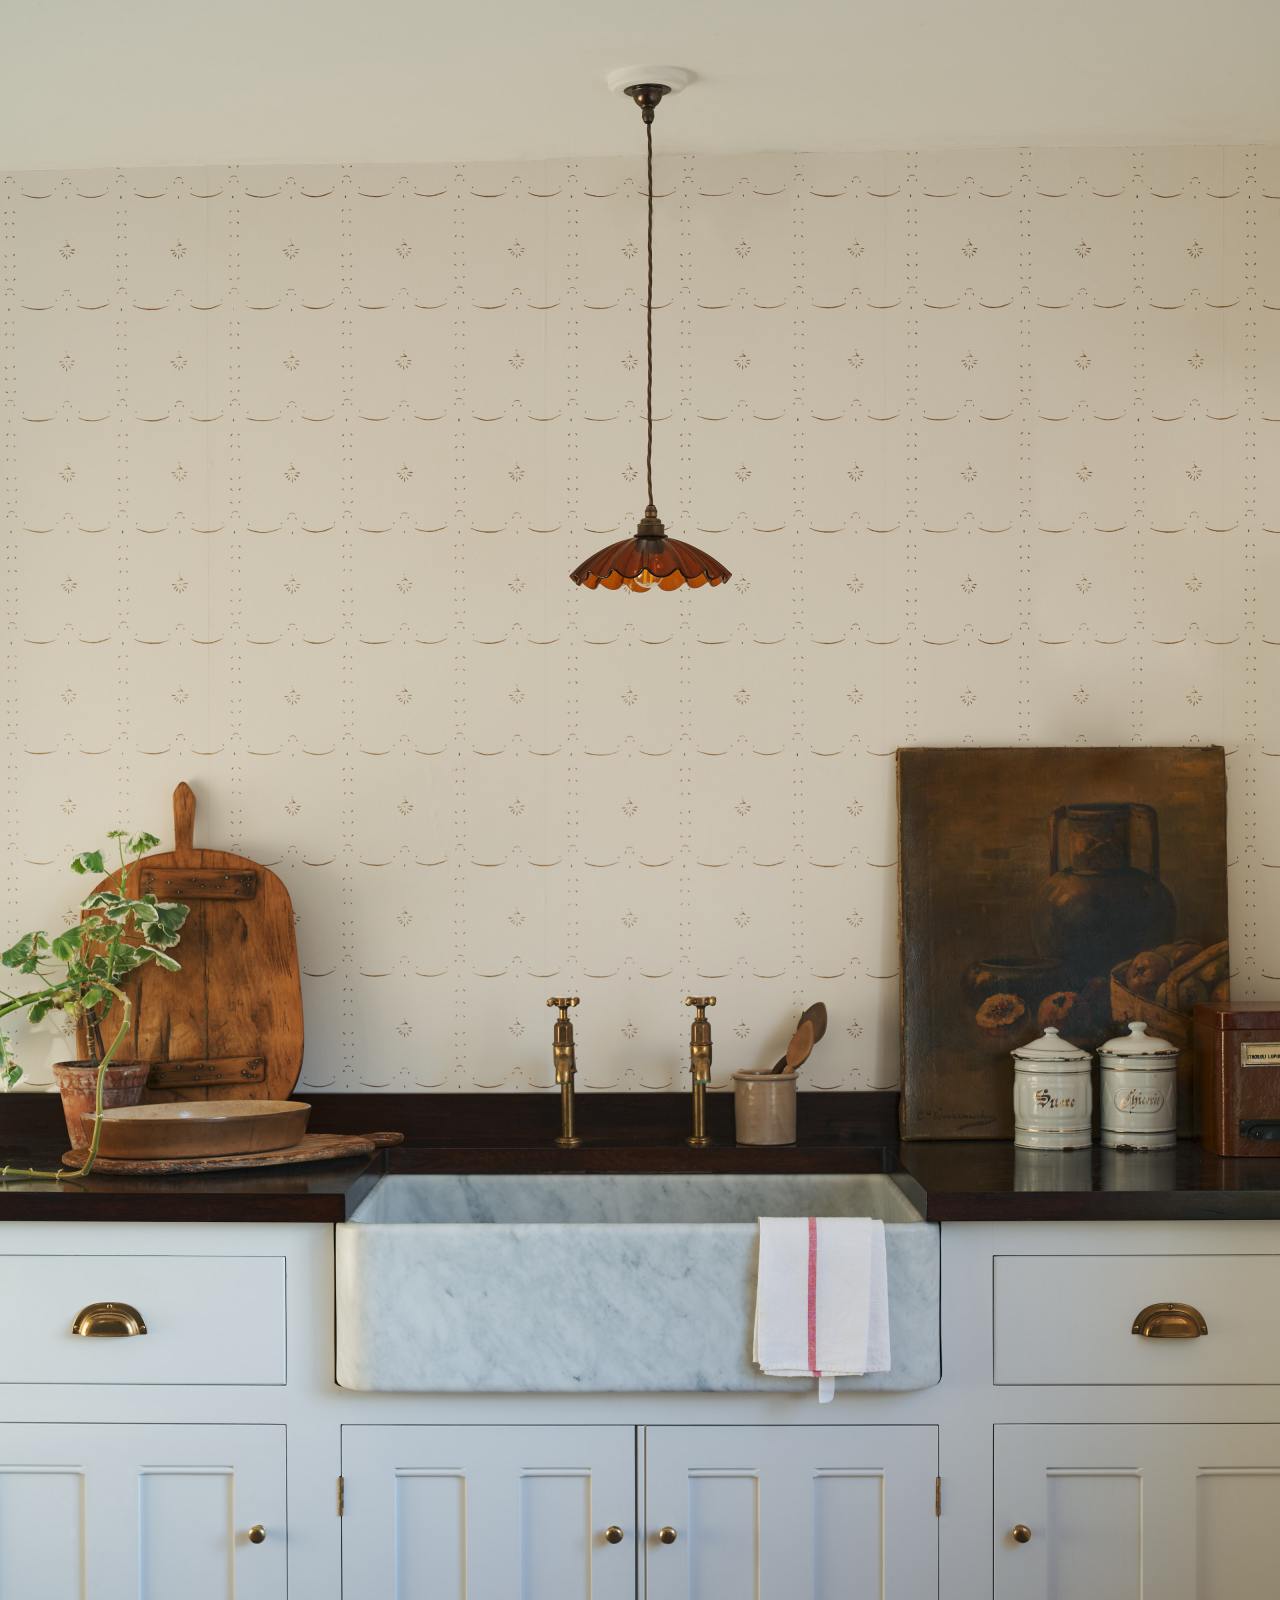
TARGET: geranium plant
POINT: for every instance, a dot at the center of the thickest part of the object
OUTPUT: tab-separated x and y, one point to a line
78	972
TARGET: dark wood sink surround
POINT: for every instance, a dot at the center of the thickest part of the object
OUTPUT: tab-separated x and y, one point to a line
962	1181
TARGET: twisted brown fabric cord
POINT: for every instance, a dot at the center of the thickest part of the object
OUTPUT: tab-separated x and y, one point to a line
648	329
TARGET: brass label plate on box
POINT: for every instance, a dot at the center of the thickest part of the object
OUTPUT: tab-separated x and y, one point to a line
1260	1055
194	1074
198	883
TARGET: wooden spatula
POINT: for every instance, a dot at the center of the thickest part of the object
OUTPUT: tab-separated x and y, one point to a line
800	1046
814	1020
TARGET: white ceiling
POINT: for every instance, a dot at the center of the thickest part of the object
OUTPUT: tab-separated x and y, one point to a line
141	82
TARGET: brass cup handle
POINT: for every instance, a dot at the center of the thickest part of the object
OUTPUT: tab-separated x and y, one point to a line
667	1535
1170	1319
613	1534
257	1533
1021	1533
109	1319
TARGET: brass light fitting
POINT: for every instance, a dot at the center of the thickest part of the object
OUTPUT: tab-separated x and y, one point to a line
649	560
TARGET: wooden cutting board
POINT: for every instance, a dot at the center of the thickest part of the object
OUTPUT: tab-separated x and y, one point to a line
229	1024
312	1147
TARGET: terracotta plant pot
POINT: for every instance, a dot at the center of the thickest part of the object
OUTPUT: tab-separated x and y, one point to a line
77	1080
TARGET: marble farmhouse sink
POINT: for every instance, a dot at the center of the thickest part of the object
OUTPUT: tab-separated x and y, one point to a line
598	1283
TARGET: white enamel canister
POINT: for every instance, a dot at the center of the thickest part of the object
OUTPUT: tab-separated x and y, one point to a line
1052	1094
1139	1091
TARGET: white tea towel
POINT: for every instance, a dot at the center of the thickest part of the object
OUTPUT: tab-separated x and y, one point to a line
822	1299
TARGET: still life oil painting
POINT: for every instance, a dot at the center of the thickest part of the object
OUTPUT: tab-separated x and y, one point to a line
1078	889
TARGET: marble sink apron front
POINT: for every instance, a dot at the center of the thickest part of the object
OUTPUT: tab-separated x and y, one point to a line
564	1284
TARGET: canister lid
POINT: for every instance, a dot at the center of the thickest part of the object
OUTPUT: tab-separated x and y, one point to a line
1050	1046
1137	1042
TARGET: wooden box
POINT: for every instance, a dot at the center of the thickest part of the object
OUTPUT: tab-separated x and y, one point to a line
1237	1046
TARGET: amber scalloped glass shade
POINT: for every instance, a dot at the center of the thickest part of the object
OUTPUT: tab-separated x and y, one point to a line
635	564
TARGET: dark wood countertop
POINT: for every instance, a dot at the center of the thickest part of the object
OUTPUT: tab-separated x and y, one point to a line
326	1192
514	1133
990	1181
443	1133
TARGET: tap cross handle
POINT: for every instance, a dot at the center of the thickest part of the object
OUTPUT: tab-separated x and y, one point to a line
700	1036
563	1002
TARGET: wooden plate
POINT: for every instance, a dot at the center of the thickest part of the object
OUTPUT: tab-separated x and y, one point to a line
184	1129
314	1147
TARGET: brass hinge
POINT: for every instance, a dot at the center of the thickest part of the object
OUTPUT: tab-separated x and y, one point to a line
937	1496
342	1494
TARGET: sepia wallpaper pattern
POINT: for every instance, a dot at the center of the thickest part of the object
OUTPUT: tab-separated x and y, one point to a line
295	464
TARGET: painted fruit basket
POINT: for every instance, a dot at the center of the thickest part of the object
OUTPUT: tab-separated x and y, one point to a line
1168	1011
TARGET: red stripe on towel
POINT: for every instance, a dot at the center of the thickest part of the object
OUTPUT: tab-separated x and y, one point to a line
813	1296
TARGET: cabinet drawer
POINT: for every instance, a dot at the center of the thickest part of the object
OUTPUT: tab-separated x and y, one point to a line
1069	1319
209	1319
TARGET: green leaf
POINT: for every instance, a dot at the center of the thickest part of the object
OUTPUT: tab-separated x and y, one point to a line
162	960
40	1010
68	944
10	1071
143	914
171	918
141	843
88	861
103	897
118	833
25	955
17	955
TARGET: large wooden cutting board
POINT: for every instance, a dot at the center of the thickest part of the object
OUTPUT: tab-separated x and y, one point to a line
229	1024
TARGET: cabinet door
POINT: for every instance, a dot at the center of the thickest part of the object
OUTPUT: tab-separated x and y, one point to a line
1160	1511
112	1512
488	1513
791	1513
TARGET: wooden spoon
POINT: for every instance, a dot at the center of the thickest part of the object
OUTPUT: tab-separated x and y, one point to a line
798	1050
816	1018
817	1014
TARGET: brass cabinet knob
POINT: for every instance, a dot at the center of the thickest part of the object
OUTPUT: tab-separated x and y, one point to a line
667	1535
1021	1533
613	1534
1170	1319
109	1319
257	1533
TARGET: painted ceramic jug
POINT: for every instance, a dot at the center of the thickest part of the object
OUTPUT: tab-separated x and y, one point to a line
1103	901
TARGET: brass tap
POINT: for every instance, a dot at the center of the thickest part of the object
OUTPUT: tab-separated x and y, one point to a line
566	1064
700	1065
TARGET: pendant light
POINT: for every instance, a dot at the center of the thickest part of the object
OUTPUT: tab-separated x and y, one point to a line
649	559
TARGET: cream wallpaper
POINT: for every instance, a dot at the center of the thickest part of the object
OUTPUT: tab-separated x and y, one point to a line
296	463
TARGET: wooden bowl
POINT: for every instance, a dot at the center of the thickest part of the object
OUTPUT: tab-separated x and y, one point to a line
184	1128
